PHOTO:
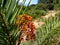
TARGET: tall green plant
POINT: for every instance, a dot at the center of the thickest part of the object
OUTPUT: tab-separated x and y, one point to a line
9	9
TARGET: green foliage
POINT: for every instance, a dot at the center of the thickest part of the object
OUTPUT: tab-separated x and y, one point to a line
44	34
42	12
48	30
42	1
49	33
41	6
36	13
57	6
8	12
0	2
49	4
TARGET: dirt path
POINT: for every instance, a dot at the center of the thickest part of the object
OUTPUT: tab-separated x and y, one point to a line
39	23
51	13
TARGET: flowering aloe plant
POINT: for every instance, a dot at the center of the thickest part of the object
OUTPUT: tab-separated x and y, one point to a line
26	26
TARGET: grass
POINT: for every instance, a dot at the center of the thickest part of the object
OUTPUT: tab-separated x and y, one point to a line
36	13
49	33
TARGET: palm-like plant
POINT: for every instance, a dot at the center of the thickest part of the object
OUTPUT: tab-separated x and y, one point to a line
9	9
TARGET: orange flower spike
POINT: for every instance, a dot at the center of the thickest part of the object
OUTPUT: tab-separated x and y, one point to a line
27	26
18	17
24	24
29	18
17	22
33	25
22	19
21	40
32	36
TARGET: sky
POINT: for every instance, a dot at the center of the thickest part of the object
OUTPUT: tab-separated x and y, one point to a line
27	1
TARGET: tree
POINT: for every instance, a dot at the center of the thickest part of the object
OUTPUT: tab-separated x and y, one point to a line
38	1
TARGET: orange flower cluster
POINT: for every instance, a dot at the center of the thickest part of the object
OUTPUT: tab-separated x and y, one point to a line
27	26
28	29
21	18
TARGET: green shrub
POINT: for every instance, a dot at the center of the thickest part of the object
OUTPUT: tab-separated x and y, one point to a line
50	6
37	13
42	6
42	12
57	6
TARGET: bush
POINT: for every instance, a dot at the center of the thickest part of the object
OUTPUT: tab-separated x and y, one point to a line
50	6
42	12
37	13
57	6
42	6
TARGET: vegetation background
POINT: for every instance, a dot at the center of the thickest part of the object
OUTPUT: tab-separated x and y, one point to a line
47	34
